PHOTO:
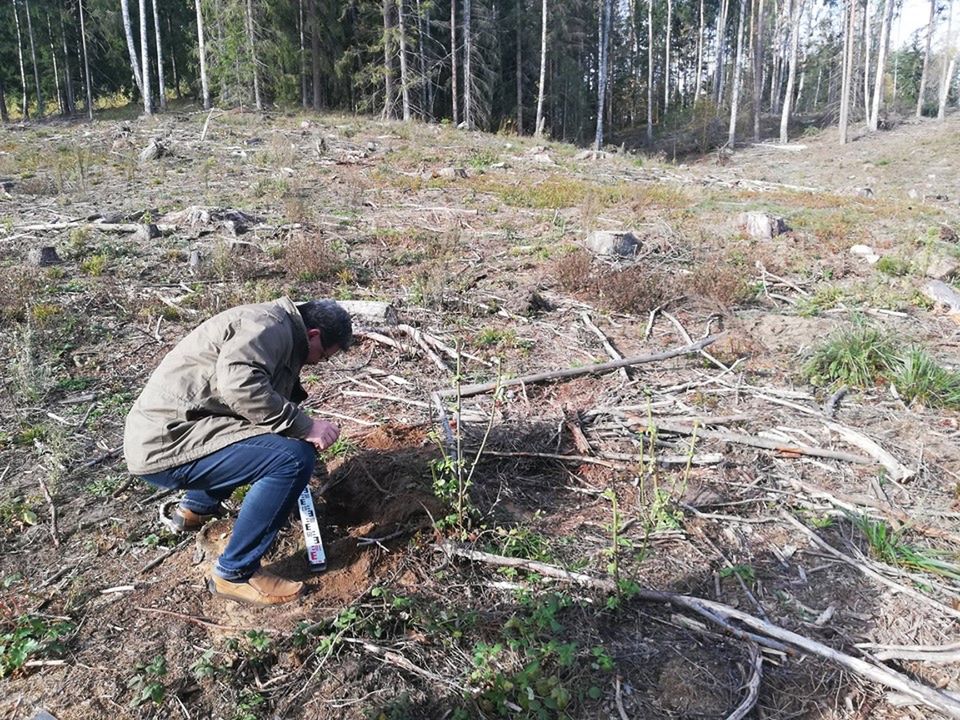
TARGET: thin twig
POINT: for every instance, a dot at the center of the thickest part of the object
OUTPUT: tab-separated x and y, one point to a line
54	533
753	684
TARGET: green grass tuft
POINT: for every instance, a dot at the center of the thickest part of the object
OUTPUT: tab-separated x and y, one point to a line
919	378
856	358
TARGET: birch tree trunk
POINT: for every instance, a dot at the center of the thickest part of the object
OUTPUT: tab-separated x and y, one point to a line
926	57
25	104
949	64
735	97
67	74
649	71
605	16
161	88
387	61
538	131
467	65
33	59
666	69
145	60
881	64
848	40
697	84
758	73
519	64
867	41
202	52
454	99
404	76
86	61
721	52
252	48
795	18
131	48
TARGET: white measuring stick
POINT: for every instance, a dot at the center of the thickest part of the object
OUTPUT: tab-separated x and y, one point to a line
311	532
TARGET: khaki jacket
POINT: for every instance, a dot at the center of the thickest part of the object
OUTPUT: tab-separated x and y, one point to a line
235	376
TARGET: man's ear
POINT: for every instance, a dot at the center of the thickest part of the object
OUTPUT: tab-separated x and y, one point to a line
312	333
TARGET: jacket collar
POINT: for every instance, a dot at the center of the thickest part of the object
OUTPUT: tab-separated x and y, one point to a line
301	349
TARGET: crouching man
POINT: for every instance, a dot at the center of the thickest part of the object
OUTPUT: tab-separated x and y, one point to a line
220	412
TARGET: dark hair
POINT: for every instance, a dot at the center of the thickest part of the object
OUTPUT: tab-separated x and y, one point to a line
333	322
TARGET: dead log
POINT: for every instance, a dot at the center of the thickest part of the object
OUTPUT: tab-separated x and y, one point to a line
599	369
370	313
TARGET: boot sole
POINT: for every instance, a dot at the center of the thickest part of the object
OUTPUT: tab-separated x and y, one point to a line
212	587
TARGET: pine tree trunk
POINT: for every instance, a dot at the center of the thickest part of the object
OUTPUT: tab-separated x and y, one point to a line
467	65
949	64
131	48
926	57
848	40
649	72
67	74
314	25
33	59
173	58
304	100
696	92
538	130
423	27
4	115
721	53
867	42
161	88
252	47
737	73
605	23
795	18
387	61
758	73
61	104
519	64
86	61
881	64
404	75
25	105
202	52
145	61
455	97
666	69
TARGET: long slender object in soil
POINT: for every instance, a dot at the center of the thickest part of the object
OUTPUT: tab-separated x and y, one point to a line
758	442
598	369
720	614
869	572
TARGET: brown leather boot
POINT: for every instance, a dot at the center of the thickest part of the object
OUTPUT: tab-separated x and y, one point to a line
182	520
263	589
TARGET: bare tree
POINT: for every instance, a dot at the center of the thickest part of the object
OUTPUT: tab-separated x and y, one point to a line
314	25
131	48
538	131
649	71
720	52
467	65
202	52
757	72
4	115
25	109
882	50
67	75
453	61
949	65
61	104
426	98
795	18
161	89
404	76
86	61
519	64
848	41
33	59
926	57
145	61
737	73
606	11
696	92
304	100
867	42
387	61
252	47
666	67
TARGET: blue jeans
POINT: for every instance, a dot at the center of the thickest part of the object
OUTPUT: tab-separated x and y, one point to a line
277	468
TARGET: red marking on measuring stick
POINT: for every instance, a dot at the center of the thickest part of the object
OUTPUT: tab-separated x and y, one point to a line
311	532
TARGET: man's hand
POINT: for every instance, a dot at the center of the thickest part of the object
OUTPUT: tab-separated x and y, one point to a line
322	434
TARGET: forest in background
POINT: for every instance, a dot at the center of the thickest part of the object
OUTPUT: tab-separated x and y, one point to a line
626	72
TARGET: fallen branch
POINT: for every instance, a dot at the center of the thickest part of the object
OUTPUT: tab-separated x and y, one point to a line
924	653
765	633
611	350
870	572
398	660
897	470
160	558
753	685
54	533
752	441
599	369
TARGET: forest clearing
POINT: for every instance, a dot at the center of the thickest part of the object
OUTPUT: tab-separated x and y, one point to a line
764	523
